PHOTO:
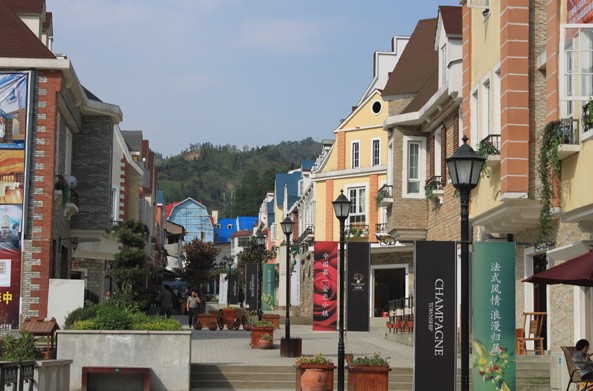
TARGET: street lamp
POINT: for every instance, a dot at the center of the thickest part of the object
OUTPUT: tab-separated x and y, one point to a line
342	210
287	227
260	241
227	263
464	168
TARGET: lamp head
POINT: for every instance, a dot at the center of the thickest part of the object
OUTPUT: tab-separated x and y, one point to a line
287	225
260	239
341	206
465	167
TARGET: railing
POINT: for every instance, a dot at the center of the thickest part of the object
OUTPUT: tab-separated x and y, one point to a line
381	228
356	230
386	191
490	145
568	131
401	315
73	198
309	230
17	373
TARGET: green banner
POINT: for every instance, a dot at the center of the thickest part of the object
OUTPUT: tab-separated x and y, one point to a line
493	316
268	295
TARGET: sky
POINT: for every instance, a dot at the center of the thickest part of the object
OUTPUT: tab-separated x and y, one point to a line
239	72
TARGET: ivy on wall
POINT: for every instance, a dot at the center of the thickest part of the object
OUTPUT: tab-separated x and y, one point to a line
548	169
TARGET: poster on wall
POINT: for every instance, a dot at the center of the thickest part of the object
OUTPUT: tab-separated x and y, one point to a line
251	286
493	316
579	11
435	333
10	276
13	109
12	176
358	267
325	286
234	289
295	283
268	295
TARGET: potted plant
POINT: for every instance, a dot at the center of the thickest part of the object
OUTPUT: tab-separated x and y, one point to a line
314	373
272	318
258	329
587	116
228	316
265	341
369	373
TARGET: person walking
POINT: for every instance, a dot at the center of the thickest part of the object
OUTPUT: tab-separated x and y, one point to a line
193	306
167	301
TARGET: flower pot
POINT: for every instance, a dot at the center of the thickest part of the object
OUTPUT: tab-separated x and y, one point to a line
313	375
313	380
364	378
197	325
212	326
264	344
257	332
272	318
247	327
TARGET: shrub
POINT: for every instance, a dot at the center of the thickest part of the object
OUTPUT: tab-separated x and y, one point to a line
316	359
155	323
85	325
82	313
18	349
376	360
262	323
110	317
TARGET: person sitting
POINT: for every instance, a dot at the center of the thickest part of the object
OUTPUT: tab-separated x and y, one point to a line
583	363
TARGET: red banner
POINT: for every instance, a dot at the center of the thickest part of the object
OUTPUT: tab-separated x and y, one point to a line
10	278
325	286
579	11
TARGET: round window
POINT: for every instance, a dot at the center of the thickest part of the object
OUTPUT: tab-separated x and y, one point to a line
376	107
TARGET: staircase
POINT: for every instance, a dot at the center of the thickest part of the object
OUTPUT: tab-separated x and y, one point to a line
533	374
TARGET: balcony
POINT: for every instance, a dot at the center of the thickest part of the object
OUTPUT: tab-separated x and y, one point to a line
308	234
434	189
489	148
356	231
385	196
568	135
381	228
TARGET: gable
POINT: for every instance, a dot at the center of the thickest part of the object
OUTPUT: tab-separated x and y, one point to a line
372	112
18	41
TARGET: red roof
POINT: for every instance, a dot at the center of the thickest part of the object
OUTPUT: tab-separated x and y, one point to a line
26	6
18	41
451	19
168	208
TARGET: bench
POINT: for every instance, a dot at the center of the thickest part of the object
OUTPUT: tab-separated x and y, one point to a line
573	372
124	378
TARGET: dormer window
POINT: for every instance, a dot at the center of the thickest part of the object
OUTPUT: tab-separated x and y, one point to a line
482	4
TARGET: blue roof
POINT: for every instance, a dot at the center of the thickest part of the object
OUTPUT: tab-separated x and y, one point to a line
292	182
227	226
160	197
307	165
246	222
271	214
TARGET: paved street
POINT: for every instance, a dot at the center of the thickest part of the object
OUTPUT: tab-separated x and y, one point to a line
232	347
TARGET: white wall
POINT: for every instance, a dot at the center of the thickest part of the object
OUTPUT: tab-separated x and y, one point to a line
64	296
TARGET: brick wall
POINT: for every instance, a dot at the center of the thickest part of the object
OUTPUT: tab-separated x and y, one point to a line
92	152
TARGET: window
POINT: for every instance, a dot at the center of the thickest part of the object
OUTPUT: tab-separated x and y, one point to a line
414	170
300	188
355	154
484	4
486	110
576	62
495	122
444	64
357	204
474	108
376	108
376	153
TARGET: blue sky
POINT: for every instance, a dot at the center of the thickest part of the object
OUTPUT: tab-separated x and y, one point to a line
241	72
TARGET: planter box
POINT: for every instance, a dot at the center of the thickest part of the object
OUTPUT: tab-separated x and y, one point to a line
167	353
368	378
272	318
204	319
257	332
327	369
229	318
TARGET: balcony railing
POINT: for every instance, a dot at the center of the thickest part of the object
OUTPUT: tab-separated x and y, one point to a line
568	131
356	230
385	196
381	228
309	231
490	145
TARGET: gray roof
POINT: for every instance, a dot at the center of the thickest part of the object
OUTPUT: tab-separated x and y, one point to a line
133	139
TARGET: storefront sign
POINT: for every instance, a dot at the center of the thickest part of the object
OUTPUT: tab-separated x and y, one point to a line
359	261
325	286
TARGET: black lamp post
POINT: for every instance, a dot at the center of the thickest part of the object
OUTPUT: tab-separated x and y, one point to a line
342	210
287	227
228	262
260	241
464	168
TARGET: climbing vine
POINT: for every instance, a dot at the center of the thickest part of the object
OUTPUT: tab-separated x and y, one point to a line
548	169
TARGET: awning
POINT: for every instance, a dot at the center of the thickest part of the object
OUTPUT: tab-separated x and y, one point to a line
577	271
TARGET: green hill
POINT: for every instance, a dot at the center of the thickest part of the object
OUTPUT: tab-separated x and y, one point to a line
227	179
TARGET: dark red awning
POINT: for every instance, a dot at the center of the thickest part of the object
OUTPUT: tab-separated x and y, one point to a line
577	271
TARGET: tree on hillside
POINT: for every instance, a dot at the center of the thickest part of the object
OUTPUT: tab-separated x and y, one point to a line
199	257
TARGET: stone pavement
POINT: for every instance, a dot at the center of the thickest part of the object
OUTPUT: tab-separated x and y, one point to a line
232	347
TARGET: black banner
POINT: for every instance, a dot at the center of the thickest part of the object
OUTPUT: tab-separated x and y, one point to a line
234	290
251	285
434	313
357	288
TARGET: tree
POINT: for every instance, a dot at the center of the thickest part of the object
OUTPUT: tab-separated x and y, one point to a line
127	270
199	257
252	253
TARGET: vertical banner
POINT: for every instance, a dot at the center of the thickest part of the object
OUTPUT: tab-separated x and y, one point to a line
357	286
493	316
295	283
325	286
223	291
14	125
268	295
251	286
234	281
435	336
